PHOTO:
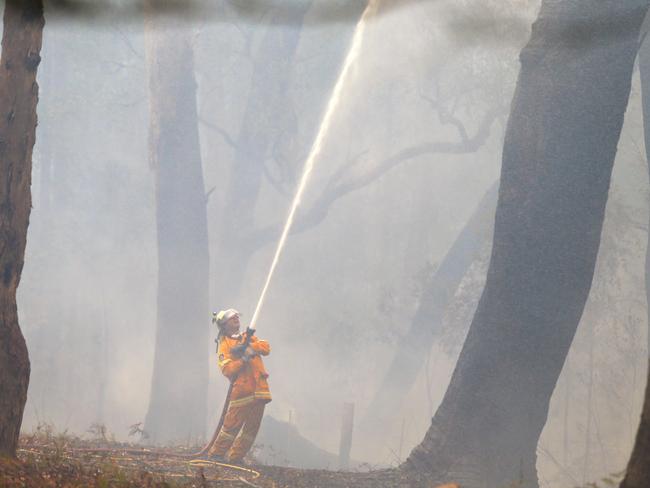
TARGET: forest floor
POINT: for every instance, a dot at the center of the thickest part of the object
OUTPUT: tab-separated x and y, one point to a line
66	461
48	460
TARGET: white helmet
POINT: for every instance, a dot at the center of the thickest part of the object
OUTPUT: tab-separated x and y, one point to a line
221	317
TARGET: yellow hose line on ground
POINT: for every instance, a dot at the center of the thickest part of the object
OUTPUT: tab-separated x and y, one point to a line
205	462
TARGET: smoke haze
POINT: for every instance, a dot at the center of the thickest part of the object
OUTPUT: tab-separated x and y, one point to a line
434	78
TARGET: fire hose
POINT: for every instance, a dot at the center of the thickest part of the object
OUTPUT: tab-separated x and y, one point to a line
238	351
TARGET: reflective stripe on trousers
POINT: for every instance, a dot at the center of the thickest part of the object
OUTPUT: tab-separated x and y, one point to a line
239	430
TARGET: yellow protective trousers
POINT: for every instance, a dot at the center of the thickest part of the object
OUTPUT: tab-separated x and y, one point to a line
239	430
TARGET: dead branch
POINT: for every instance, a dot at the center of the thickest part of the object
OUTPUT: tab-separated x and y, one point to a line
335	189
207	195
447	118
226	137
125	39
275	182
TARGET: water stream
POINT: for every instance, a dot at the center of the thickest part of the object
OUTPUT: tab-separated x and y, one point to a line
332	104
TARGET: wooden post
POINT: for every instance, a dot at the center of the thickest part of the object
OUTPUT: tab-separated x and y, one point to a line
288	442
346	435
401	440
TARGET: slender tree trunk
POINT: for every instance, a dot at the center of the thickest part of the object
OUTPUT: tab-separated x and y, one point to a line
21	45
177	406
413	348
638	469
268	117
559	149
268	131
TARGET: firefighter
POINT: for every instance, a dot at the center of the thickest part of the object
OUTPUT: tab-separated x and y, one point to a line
250	390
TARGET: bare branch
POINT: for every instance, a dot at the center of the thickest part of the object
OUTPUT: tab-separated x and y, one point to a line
465	146
319	210
231	18
127	42
446	117
226	137
207	195
338	176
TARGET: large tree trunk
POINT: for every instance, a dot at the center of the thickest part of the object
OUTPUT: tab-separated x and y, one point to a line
559	150
177	406
638	469
439	290
21	45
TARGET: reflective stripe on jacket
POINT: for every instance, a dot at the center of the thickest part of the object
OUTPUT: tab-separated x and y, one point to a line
249	377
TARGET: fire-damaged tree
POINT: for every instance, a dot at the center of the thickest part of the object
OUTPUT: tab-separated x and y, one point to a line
266	127
266	122
177	407
638	469
560	144
21	45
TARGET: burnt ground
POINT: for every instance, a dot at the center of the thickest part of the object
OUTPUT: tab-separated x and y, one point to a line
63	461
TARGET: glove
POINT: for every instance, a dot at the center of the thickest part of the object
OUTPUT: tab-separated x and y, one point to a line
238	351
249	353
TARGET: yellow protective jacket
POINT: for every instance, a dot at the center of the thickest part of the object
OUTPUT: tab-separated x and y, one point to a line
248	377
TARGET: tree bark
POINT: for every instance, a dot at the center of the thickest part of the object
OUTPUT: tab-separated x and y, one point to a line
21	45
638	468
412	349
638	471
177	406
560	144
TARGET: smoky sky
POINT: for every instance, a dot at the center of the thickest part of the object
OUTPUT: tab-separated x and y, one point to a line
346	289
